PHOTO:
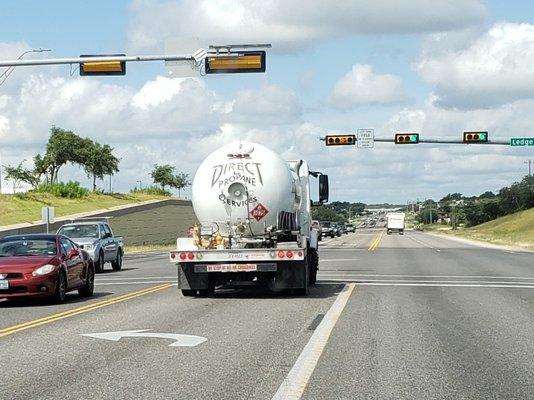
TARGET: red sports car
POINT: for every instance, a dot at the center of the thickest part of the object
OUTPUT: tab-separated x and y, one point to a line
44	265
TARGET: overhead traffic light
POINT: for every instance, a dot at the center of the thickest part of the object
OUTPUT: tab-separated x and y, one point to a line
475	137
406	138
340	140
102	67
235	62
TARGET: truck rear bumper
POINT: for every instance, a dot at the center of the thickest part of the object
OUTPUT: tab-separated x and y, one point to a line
275	275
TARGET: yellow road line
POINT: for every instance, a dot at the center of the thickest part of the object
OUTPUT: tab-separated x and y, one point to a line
80	310
376	242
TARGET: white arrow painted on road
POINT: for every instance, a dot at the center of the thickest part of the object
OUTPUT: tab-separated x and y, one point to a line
179	339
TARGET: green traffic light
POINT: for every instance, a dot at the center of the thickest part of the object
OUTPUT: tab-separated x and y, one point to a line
482	137
413	138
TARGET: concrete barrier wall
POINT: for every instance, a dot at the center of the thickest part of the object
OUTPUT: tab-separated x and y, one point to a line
153	223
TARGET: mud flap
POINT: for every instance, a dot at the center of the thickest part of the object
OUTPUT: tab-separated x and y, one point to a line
188	279
290	275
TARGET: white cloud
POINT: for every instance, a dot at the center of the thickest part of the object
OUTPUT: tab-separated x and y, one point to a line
361	86
291	24
493	69
271	105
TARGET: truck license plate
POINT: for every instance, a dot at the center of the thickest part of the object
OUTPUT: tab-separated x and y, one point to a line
4	284
231	267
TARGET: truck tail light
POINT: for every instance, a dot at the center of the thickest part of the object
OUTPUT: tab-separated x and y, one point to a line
173	256
183	256
190	255
300	253
289	254
281	254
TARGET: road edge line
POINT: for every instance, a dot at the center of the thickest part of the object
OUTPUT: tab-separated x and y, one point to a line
298	377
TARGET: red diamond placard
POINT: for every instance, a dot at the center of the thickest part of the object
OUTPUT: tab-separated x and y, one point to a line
259	212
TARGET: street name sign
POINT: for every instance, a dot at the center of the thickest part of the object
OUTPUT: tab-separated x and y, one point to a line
527	141
365	138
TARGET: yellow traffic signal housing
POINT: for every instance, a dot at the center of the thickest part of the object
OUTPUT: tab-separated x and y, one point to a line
340	140
102	67
235	62
406	138
475	137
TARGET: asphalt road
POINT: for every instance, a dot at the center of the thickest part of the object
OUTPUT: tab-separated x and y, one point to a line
393	317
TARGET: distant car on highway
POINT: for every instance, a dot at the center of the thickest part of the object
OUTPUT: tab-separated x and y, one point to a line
328	229
336	229
97	239
350	228
44	265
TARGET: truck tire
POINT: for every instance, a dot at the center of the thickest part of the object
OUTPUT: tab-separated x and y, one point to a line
117	264
99	263
313	263
189	292
401	232
304	291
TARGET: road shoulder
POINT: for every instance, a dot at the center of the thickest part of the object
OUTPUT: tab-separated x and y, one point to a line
479	243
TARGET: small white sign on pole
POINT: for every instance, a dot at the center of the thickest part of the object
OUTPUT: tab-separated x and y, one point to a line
366	138
181	45
47	217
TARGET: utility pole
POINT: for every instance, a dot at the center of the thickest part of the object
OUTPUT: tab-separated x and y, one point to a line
529	162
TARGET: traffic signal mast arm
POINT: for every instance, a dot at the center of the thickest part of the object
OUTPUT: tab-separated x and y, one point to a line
441	141
78	60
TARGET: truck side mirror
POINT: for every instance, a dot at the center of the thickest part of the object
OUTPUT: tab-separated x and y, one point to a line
323	188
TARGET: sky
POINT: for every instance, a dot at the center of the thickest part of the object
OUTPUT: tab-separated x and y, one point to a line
438	68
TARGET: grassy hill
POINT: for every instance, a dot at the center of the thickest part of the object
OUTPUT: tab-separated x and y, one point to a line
27	207
514	230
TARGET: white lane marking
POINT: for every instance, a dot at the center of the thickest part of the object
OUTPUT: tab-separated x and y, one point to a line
179	339
297	379
118	278
339	259
432	285
433	281
132	283
427	276
424	244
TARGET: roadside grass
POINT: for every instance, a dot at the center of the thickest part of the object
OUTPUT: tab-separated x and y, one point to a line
511	230
22	208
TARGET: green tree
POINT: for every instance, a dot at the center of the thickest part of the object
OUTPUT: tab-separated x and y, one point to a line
98	160
164	175
63	146
325	213
20	174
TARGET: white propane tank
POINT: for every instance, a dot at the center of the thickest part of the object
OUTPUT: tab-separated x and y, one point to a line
242	184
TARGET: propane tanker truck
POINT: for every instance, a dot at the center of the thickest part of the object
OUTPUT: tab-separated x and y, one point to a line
254	223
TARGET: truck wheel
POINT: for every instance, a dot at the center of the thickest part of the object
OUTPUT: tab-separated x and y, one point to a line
304	290
189	292
313	263
117	264
99	263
